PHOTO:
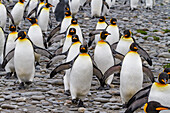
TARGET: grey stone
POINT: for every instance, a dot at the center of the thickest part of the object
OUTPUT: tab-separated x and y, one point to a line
38	97
164	55
8	106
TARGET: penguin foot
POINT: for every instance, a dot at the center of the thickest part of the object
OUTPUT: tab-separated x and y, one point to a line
74	101
15	75
21	86
1	69
28	83
148	8
81	8
9	75
67	92
81	104
104	88
37	63
124	105
101	88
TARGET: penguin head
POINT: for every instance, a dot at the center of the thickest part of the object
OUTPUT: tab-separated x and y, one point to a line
21	35
102	19
133	47
12	27
72	31
127	33
83	49
167	70
104	34
48	5
75	38
68	13
33	20
41	0
154	107
74	21
113	21
163	78
22	1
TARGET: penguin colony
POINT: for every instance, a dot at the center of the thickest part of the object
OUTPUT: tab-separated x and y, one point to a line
113	52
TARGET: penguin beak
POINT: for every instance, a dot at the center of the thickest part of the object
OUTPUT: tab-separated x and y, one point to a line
107	34
51	6
165	81
126	35
28	18
135	48
168	73
162	108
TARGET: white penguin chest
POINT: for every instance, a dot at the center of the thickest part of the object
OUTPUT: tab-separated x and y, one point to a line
65	24
103	56
114	37
10	44
67	43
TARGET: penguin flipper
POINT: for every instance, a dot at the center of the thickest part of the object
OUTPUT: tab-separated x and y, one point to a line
111	70
87	2
144	54
40	10
61	67
91	40
137	104
114	45
4	52
10	16
33	11
149	73
140	94
8	58
53	32
98	73
55	60
95	32
106	4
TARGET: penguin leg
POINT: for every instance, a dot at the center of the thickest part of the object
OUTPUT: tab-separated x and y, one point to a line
81	8
124	105
21	86
15	75
28	83
9	75
74	101
67	92
81	104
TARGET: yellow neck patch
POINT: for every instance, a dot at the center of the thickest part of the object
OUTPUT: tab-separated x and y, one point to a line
47	9
76	43
74	24
100	22
113	25
42	3
84	54
69	36
21	3
146	105
133	52
13	32
101	42
35	24
68	17
160	85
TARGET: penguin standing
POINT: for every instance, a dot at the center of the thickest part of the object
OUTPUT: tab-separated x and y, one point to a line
149	4
32	5
131	68
9	45
74	24
66	21
74	6
114	31
80	84
41	4
101	25
96	7
3	15
103	56
68	40
18	12
134	4
2	41
36	35
124	42
43	17
105	8
72	53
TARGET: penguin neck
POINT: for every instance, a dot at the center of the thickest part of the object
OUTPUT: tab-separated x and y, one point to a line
74	24
84	54
160	85
21	3
78	42
101	22
68	16
13	32
69	36
133	52
127	38
114	25
41	3
34	24
101	41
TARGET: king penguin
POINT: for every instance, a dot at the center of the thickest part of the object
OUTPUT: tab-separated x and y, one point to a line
96	7
101	25
66	21
68	40
9	45
72	53
103	56
114	31
3	15
74	6
36	35
124	42
18	12
74	24
2	41
43	17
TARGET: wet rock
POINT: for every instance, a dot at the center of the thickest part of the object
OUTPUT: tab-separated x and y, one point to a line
8	106
103	100
164	55
38	97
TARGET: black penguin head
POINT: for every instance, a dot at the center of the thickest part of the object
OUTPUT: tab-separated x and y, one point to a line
22	35
163	78
41	0
133	47
102	19
68	13
75	38
104	34
167	70
33	20
127	33
83	49
72	31
48	5
113	21
154	107
74	21
12	28
22	1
